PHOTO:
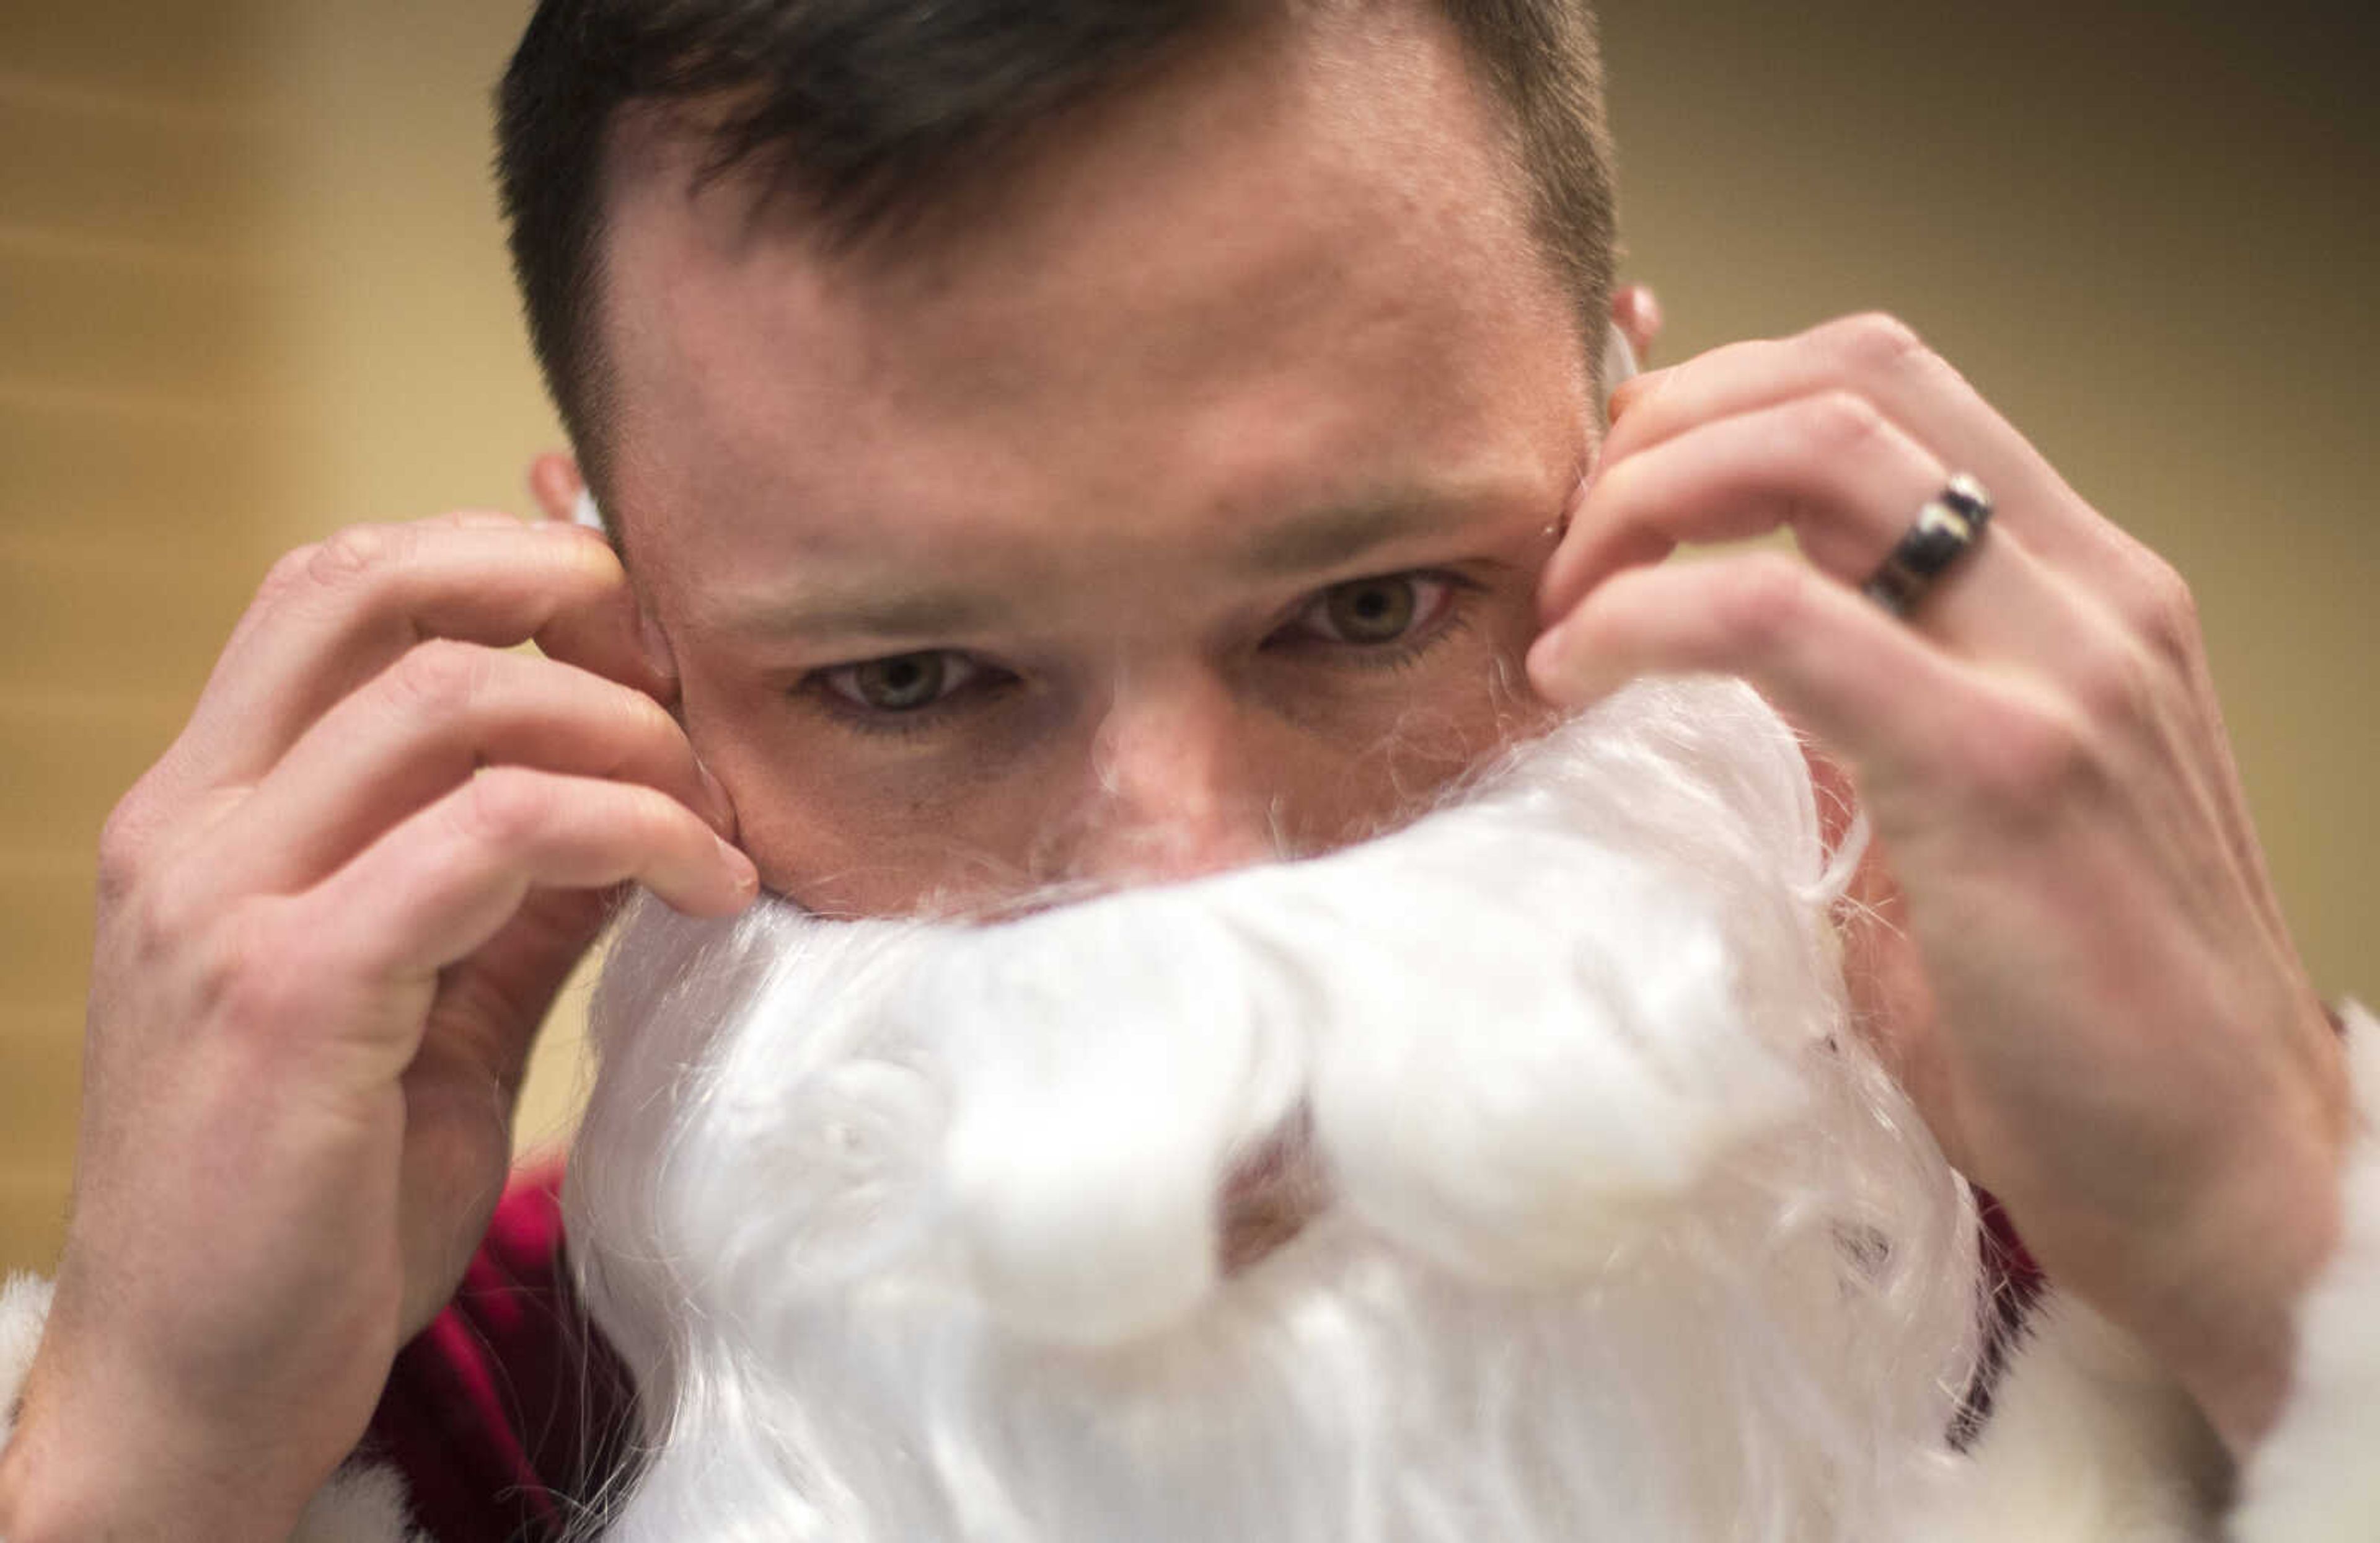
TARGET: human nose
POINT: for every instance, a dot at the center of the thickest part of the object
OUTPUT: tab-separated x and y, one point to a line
1169	797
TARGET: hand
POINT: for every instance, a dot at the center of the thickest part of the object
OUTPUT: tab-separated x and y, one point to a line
331	920
2094	1001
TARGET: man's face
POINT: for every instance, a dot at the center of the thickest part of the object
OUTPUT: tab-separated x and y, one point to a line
1182	503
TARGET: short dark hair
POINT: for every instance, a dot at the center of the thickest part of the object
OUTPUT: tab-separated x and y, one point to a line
874	108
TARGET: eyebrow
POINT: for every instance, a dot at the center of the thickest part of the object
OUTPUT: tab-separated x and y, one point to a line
1312	542
1335	537
893	613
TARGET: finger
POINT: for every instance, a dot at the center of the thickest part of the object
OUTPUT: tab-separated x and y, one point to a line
1842	478
491	1006
463	1081
1883	360
450	878
331	616
1869	686
282	578
421	728
1829	467
589	637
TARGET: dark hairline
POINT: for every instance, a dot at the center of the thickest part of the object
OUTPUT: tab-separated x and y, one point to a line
1540	60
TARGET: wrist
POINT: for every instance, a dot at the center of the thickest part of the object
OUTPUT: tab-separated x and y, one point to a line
2228	1331
37	1501
84	1465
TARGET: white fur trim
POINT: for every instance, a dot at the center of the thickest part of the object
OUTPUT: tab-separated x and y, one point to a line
2317	1478
362	1503
24	1307
2089	1442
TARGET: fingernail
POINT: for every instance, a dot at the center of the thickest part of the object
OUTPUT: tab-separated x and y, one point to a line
741	871
579	535
1628	394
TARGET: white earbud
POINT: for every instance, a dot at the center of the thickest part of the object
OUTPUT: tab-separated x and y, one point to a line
585	513
1619	366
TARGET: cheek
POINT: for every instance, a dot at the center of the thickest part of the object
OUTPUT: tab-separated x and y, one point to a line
846	824
1433	748
1393	758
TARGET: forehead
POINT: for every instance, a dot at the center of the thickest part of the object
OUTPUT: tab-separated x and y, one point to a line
1300	252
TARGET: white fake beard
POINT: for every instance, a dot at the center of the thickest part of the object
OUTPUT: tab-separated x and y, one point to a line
1611	1229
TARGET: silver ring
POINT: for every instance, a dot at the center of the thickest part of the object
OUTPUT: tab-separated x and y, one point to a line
1945	530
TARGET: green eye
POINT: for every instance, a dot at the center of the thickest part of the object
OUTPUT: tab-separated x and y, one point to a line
900	685
1377	620
903	683
1372	610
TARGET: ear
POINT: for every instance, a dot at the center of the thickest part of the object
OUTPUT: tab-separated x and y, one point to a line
1636	312
554	481
1627	343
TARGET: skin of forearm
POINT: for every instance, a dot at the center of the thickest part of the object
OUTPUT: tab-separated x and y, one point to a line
122	1470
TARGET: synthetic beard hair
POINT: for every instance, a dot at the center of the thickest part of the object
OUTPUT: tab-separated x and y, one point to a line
1611	1229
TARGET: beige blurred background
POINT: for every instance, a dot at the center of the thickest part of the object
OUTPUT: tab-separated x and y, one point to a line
252	288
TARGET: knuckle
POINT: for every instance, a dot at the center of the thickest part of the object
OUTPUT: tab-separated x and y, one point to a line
2031	761
647	822
353	556
443	677
2116	683
172	908
1842	421
289	572
1617	490
645	721
504	806
124	841
645	817
2163	610
1875	341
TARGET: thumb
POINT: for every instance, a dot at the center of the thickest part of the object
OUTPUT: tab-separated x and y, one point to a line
462	1089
